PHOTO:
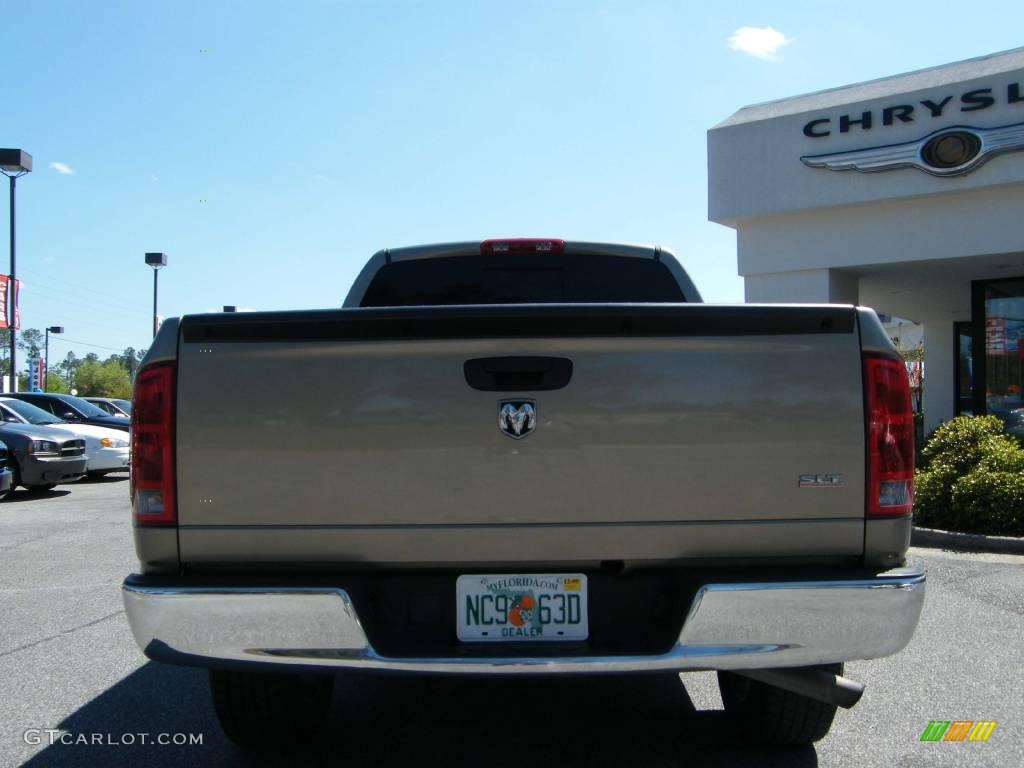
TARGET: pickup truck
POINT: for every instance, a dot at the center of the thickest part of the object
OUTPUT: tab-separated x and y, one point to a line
524	457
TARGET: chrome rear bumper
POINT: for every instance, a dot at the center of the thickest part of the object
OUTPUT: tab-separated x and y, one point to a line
728	626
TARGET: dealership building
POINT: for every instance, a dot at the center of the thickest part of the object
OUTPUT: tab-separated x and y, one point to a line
904	194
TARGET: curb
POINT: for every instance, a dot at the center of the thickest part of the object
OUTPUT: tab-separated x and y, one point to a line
966	542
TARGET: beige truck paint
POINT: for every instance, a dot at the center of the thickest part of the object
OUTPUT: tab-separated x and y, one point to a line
658	449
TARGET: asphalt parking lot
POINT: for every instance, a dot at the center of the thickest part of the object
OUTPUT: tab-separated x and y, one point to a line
68	662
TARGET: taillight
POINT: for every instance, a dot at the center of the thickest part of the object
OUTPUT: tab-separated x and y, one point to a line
152	473
521	245
890	433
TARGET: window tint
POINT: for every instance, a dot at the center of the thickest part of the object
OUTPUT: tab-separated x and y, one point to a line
84	407
54	406
518	279
34	400
42	402
32	413
1003	351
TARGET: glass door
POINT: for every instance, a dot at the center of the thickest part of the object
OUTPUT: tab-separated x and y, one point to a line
999	349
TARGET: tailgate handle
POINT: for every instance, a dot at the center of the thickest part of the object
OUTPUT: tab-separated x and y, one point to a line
494	374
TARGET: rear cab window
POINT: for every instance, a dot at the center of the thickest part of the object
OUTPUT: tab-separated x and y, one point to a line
522	279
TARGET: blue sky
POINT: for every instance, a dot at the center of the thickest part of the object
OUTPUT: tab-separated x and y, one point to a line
323	131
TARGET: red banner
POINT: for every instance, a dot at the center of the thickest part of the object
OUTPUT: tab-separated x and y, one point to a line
995	335
17	310
3	301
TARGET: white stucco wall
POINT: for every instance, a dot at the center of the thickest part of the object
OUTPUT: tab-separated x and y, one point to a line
828	286
939	371
948	226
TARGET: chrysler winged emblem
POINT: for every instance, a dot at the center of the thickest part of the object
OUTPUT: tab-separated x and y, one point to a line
517	418
946	152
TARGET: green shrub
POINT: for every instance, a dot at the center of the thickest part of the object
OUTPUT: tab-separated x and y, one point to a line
1001	455
971	479
989	502
933	495
958	442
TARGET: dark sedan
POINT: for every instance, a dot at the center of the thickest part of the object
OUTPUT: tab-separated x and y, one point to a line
6	475
73	409
40	458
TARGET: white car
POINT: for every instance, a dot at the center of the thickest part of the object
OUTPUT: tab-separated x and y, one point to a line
106	449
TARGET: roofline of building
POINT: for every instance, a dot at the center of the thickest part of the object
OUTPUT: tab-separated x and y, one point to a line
930	77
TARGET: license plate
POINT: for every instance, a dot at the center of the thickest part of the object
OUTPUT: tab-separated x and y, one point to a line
521	607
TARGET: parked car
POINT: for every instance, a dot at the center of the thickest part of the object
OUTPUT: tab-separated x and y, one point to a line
106	450
42	457
6	476
115	406
1014	421
563	480
73	409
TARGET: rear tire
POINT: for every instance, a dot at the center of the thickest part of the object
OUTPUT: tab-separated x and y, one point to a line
270	709
775	716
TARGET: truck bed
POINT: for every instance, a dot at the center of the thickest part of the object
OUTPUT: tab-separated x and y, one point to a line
353	436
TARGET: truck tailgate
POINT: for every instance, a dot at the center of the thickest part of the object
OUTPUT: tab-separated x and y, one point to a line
352	436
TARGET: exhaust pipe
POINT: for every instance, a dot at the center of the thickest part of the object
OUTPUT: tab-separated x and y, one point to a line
815	684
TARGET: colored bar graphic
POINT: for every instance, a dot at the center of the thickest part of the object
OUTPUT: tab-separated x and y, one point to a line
958	730
935	730
982	730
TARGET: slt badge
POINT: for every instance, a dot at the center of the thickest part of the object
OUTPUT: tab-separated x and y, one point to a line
947	152
517	418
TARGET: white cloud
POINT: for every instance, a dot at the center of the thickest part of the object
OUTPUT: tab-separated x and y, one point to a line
761	42
63	169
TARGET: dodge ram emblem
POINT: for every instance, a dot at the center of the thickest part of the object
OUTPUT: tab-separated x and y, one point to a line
517	418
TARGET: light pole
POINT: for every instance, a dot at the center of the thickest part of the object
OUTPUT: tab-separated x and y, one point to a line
156	261
46	360
14	163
